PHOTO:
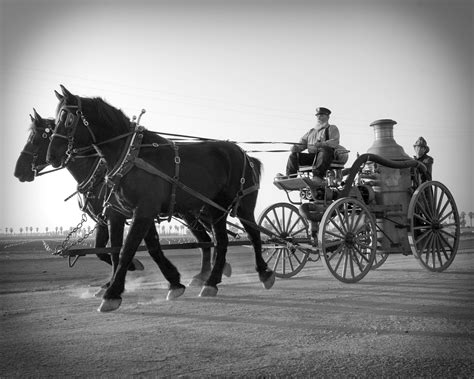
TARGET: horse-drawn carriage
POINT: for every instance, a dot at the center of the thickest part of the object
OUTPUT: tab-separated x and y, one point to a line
378	206
361	214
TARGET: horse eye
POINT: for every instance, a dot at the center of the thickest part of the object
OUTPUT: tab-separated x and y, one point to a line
69	120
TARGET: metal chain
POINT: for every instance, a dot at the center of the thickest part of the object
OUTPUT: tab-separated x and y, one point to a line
65	246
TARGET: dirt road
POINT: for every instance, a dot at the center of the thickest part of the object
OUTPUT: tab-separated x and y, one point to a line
400	320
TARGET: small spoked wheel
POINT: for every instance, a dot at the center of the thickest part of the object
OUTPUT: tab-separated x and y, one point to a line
284	221
348	239
434	226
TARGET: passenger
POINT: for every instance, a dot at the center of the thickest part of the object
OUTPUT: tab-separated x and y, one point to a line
422	150
321	142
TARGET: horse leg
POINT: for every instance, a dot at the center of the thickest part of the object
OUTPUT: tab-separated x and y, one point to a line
117	226
222	241
169	271
266	276
116	223
112	296
101	239
200	233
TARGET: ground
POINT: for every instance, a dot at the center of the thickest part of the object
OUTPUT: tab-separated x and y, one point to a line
399	321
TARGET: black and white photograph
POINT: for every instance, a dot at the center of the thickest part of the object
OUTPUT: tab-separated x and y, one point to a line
237	188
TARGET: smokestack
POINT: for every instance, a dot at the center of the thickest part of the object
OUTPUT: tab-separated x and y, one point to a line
384	143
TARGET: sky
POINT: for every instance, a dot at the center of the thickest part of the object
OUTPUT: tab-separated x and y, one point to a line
240	70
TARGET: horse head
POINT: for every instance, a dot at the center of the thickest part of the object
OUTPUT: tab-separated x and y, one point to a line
32	158
82	124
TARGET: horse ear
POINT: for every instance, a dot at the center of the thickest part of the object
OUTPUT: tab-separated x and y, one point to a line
65	91
37	116
32	119
58	95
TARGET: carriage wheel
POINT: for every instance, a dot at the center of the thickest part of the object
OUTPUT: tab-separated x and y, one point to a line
284	221
434	226
379	260
348	239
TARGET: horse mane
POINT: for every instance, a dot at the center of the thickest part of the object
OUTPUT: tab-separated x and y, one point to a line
109	114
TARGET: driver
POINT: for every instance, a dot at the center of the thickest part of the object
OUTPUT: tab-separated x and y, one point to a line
321	142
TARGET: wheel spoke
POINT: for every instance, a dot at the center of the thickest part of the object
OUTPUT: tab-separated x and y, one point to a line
439	249
430	236
343	232
341	256
277	219
446	242
272	255
283	261
344	270
294	257
351	263
448	234
362	255
429	250
277	260
427	204
356	259
341	221
440	202
290	229
427	233
275	229
441	211
288	223
297	232
339	236
446	216
422	219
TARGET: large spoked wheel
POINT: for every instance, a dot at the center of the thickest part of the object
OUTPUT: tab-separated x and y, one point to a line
283	220
434	226
380	258
348	240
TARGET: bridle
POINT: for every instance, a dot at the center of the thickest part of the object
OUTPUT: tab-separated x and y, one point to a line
70	116
46	133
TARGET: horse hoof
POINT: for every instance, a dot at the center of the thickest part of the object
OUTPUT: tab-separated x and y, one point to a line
196	282
100	292
208	291
227	270
175	293
268	283
109	305
138	265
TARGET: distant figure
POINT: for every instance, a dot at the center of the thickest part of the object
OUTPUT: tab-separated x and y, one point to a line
321	142
422	150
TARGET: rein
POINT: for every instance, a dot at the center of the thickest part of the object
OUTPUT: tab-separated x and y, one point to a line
131	159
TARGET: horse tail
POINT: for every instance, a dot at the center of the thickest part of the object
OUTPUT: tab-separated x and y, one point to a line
257	168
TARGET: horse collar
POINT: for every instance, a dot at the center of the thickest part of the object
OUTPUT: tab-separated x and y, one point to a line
127	160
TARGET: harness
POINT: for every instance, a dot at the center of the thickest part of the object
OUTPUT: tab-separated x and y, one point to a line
130	159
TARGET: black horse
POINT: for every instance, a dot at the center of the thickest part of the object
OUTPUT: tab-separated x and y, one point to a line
152	176
32	160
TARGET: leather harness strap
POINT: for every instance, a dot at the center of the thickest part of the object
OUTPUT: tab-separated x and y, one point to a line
131	159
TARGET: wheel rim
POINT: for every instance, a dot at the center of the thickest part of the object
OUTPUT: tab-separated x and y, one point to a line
347	236
379	260
284	221
434	226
